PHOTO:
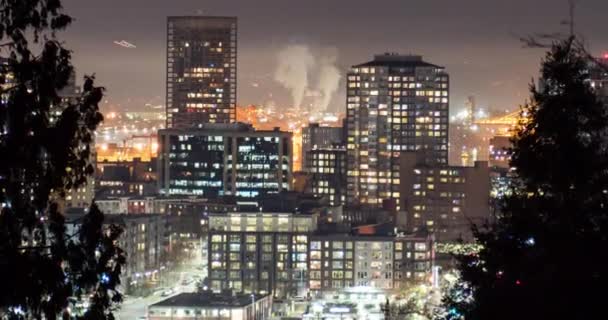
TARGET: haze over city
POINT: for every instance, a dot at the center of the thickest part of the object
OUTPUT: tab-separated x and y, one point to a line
303	160
477	41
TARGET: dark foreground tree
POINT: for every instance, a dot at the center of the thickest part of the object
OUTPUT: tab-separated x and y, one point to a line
546	256
47	268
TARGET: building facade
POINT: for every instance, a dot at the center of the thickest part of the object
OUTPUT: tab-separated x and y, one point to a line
142	241
339	261
201	70
286	255
134	178
327	167
394	103
260	252
444	200
164	205
224	159
212	306
317	136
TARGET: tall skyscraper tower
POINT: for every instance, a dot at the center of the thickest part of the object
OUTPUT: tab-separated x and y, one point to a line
395	103
201	70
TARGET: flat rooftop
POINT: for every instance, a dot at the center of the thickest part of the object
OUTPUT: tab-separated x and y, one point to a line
397	61
208	300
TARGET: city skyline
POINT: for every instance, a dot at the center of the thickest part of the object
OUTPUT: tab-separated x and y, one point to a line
360	160
482	51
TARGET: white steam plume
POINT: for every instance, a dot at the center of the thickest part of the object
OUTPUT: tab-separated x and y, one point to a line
292	71
329	80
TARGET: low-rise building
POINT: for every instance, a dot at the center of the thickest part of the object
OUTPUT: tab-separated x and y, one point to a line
212	306
163	205
387	262
125	178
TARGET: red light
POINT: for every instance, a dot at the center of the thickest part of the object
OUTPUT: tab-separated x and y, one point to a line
606	55
517	282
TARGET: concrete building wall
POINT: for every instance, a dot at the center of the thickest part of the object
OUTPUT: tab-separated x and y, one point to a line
444	200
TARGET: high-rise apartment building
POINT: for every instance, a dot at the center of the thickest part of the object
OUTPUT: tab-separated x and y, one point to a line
201	70
224	159
394	103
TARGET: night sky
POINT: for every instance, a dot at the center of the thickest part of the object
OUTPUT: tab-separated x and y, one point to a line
476	40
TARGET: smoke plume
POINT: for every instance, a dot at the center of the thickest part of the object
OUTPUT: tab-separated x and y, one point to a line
294	63
329	79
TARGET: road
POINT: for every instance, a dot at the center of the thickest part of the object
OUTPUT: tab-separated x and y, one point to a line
133	308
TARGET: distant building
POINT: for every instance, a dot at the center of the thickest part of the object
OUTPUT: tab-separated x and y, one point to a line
163	205
316	136
125	178
80	197
444	200
395	103
212	306
260	252
287	255
340	261
364	214
83	196
201	70
327	168
142	241
224	159
598	77
500	155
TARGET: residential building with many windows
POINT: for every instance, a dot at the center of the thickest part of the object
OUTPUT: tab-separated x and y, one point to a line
340	261
142	241
327	167
201	70
394	103
286	255
444	200
224	159
260	252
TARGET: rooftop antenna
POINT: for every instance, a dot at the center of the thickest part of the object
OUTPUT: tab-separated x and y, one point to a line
572	5
572	11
